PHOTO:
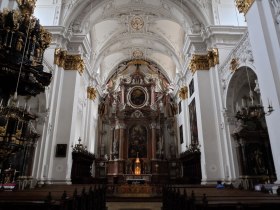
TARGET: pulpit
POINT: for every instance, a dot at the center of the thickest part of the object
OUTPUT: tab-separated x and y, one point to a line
81	165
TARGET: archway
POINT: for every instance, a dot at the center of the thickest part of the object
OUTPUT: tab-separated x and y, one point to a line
249	130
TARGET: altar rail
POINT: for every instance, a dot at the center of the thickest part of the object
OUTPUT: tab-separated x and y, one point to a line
201	198
55	197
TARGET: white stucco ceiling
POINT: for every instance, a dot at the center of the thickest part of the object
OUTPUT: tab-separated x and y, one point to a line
142	29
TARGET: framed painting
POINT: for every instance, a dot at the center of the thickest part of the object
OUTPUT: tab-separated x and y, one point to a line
61	150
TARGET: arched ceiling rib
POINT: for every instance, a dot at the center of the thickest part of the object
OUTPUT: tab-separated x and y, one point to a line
159	37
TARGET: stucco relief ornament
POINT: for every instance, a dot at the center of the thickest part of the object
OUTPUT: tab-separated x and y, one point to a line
183	93
276	5
234	64
91	93
243	5
137	23
137	53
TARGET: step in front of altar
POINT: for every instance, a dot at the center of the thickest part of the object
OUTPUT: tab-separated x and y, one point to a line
134	190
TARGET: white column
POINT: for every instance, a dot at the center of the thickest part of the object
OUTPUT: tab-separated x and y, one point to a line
66	132
207	128
46	145
265	45
225	145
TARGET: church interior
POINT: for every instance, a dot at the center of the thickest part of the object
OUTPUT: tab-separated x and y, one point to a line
164	103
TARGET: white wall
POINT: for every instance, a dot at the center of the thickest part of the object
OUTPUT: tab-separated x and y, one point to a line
226	13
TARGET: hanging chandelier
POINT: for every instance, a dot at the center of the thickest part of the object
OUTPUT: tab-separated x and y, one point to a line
23	42
251	109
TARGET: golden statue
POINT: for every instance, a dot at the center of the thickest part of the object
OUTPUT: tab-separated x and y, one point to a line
19	44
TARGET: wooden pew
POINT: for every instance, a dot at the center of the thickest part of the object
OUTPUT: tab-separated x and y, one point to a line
56	197
200	198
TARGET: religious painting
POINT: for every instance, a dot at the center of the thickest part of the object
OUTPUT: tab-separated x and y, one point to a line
137	145
193	122
181	134
137	97
61	150
191	88
257	162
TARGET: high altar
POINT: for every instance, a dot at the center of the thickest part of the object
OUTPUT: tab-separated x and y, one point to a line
137	135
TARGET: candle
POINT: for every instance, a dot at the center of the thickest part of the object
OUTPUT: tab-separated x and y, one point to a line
237	107
243	102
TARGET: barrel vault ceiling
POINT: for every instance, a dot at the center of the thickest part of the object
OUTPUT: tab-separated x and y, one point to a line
121	30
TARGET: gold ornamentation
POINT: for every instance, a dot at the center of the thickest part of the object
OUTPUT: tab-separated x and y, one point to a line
183	93
213	57
199	62
2	130
243	5
204	62
59	57
68	62
234	64
46	38
74	62
26	6
91	93
137	23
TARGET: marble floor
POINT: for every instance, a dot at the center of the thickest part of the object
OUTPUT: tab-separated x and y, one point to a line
133	205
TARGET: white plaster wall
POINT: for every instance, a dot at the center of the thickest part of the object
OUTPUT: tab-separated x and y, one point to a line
225	13
266	52
93	125
48	12
183	120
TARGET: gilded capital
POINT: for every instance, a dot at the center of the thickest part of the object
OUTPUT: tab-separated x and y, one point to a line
183	93
199	62
91	93
204	62
68	62
74	62
213	57
59	57
243	5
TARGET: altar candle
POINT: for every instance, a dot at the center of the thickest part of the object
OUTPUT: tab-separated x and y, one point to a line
243	102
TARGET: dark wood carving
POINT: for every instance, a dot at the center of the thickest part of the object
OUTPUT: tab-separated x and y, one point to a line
81	167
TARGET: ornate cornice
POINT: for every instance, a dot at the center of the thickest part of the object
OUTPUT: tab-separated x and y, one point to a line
68	62
243	6
91	93
204	62
183	93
